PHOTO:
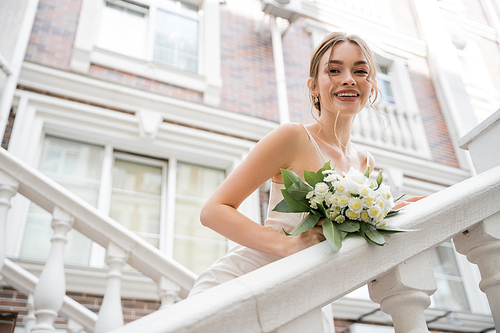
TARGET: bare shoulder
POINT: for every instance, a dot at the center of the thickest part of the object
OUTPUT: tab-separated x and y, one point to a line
289	134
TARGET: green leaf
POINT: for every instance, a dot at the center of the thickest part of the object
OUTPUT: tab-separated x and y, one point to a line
399	198
286	233
306	224
332	234
375	236
298	191
392	230
289	177
367	171
325	167
312	178
284	207
322	210
301	206
343	234
349	226
393	213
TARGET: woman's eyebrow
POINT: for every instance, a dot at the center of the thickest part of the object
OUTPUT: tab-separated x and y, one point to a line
340	62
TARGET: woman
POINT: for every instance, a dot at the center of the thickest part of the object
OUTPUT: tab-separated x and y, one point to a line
342	81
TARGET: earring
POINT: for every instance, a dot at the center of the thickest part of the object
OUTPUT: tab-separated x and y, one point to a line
315	99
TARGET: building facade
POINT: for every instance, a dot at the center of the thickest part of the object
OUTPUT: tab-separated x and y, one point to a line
142	107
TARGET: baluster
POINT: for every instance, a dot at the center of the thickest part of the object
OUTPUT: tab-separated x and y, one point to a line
111	314
51	286
8	188
168	292
30	317
404	293
405	130
481	245
394	129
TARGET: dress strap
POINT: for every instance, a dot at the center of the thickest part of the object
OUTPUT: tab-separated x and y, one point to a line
315	144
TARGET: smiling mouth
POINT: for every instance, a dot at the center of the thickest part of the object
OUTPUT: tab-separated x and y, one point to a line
346	95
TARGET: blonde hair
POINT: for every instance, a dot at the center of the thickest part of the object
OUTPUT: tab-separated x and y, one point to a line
327	44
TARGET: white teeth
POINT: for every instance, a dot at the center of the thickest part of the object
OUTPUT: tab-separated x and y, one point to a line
347	95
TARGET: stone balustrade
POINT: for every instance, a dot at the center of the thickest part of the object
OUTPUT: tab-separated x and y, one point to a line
68	211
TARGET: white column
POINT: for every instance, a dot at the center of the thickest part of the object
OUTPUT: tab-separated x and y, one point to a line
51	286
8	188
30	317
168	292
404	293
111	314
211	52
481	245
279	69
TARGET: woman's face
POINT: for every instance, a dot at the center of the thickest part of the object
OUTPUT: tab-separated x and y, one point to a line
347	70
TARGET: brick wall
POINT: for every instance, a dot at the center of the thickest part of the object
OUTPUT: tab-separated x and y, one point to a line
433	120
247	66
8	131
11	299
404	17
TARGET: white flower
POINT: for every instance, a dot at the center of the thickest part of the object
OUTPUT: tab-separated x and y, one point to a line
330	178
340	186
328	172
355	180
365	190
374	211
355	204
321	189
309	194
332	214
352	215
313	204
364	216
328	198
369	201
343	201
340	219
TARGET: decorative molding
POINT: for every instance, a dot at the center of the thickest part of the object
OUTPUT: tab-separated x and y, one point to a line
132	100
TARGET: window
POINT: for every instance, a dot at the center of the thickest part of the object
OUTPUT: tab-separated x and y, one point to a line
450	293
136	197
77	167
165	32
385	85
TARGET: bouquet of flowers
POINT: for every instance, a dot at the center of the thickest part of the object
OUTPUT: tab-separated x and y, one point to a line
350	203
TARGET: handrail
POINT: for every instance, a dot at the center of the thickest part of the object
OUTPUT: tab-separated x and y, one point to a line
278	293
25	282
92	223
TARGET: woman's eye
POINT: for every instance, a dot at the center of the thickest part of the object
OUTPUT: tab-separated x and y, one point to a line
361	71
333	71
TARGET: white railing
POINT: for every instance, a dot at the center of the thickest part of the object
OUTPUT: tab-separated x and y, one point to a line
405	134
287	296
69	211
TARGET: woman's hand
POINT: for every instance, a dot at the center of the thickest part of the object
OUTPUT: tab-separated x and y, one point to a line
401	203
304	240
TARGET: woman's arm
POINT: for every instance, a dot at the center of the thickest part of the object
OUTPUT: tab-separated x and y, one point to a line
278	149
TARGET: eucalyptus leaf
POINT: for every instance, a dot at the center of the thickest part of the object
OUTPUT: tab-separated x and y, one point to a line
306	224
284	207
393	230
349	226
375	236
312	178
298	191
393	213
301	206
325	167
322	210
332	234
289	177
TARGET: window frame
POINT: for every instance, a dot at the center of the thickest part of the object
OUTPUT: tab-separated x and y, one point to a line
207	80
